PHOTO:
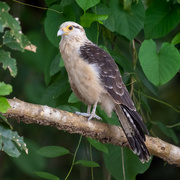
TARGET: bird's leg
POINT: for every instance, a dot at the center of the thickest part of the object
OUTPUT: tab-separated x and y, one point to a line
85	114
88	114
89	109
93	113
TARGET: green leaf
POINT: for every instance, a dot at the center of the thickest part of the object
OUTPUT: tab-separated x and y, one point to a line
4	105
98	145
127	22
161	18
61	63
9	147
54	20
55	65
87	163
87	4
109	22
10	41
53	151
68	108
88	18
57	88
52	23
160	67
5	89
168	132
73	98
13	38
176	39
132	164
46	175
11	140
8	62
4	120
32	162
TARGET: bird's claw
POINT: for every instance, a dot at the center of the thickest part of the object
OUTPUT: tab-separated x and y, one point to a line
89	115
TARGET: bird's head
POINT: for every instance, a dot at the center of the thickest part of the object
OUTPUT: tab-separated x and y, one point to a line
70	29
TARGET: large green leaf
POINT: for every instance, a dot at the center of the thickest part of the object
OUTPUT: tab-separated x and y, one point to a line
5	89
159	67
127	22
109	22
132	164
161	18
52	151
8	62
86	4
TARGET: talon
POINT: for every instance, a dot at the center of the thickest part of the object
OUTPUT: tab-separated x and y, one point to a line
90	116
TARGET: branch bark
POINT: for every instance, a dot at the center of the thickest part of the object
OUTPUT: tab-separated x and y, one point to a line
62	120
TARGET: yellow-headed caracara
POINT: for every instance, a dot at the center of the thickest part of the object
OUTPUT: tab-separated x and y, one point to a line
95	79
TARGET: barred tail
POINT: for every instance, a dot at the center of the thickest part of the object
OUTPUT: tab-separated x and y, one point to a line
134	129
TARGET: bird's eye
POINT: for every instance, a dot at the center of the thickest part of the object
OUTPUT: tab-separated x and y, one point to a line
70	28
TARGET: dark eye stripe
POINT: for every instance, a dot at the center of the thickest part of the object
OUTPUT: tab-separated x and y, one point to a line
76	27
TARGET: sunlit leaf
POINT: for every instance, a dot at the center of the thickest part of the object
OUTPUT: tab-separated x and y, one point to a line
88	18
4	105
159	67
5	89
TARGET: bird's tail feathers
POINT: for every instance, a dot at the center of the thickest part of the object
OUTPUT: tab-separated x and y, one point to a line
133	128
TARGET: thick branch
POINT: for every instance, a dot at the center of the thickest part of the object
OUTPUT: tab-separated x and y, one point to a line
62	120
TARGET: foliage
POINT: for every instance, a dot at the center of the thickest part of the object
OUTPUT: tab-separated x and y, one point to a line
142	37
16	40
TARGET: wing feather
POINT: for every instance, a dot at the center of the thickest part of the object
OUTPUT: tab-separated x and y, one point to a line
109	73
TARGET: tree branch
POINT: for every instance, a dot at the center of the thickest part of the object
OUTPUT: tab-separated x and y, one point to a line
62	120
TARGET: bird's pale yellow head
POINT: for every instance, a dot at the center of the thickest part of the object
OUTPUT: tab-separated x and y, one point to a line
70	29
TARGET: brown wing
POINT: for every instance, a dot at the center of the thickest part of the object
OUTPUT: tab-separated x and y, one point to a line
109	73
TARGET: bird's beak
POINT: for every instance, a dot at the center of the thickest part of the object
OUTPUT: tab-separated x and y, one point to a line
60	32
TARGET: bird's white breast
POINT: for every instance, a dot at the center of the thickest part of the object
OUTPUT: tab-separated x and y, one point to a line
83	75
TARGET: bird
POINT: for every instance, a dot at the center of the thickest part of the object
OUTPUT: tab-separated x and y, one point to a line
95	79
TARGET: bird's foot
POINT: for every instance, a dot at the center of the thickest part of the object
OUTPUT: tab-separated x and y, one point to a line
89	115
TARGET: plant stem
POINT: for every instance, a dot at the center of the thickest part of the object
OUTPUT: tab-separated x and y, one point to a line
74	158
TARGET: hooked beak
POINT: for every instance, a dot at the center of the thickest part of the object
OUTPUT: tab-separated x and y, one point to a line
60	32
